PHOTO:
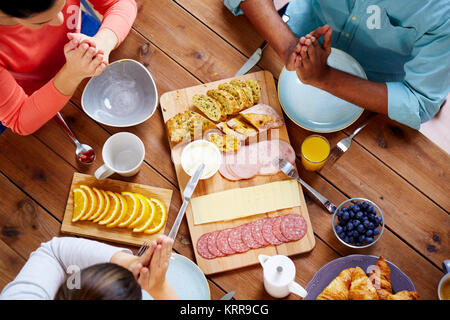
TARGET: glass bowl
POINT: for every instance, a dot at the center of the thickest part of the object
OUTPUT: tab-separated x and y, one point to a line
358	214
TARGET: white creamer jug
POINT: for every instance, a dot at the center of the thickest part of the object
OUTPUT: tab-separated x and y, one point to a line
279	274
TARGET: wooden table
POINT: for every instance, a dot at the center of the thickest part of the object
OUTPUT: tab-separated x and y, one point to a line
193	42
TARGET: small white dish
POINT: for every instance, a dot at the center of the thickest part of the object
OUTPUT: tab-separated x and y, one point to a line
124	95
198	152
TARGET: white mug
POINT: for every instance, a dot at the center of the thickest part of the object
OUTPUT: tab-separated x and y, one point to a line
123	153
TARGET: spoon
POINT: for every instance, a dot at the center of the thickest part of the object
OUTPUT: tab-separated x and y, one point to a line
85	154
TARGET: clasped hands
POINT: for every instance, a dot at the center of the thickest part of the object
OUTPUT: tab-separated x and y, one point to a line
150	268
309	59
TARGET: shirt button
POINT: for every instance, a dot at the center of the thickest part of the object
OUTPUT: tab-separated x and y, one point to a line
347	35
353	18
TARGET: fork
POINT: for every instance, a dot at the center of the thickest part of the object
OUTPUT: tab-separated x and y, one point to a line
343	145
143	248
292	172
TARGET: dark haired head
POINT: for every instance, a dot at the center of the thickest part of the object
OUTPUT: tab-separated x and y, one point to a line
105	281
25	8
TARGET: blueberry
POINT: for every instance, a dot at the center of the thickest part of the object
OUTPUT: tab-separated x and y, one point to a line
344	209
356	208
366	223
349	226
379	219
355	233
352	214
345	216
371	225
376	232
339	213
375	223
360	228
356	223
359	244
346	239
365	205
359	215
338	229
342	235
369	233
362	238
371	217
372	210
351	207
351	239
369	239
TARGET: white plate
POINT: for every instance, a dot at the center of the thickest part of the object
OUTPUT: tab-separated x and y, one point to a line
315	109
187	279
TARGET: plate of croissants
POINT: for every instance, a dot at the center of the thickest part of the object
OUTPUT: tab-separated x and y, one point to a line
360	277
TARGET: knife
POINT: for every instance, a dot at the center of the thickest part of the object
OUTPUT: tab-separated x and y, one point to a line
228	296
187	194
252	61
256	56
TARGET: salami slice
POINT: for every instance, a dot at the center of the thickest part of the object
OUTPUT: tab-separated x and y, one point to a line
276	229
293	227
267	232
212	244
257	232
202	247
247	237
222	242
235	240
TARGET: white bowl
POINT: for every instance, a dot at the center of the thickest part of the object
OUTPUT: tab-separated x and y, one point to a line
209	150
124	95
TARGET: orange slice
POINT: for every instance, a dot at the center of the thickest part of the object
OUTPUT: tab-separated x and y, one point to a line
122	214
144	223
159	218
100	206
113	210
105	210
80	204
144	212
92	200
134	208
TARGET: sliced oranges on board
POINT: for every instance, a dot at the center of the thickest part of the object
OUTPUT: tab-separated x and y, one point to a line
159	218
80	204
129	210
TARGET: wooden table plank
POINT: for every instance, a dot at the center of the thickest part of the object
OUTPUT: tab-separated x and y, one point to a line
188	41
410	154
235	30
24	224
411	215
10	264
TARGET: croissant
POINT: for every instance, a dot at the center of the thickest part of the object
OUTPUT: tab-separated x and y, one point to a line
403	295
338	288
361	287
380	277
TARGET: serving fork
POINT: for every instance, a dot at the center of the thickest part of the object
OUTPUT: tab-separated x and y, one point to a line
143	248
292	172
343	145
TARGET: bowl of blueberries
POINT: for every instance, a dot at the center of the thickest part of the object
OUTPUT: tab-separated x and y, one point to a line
358	223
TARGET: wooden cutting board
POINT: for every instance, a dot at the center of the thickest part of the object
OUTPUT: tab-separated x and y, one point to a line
98	232
180	101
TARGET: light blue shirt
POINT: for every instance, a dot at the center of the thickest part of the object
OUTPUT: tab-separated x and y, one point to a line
404	43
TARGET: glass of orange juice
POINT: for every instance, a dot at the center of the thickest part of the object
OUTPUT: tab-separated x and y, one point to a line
315	150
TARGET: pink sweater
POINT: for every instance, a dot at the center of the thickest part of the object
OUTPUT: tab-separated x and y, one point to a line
29	59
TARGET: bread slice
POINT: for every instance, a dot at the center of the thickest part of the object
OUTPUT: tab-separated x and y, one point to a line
212	108
227	100
225	143
185	126
256	89
238	93
230	132
239	125
262	117
247	89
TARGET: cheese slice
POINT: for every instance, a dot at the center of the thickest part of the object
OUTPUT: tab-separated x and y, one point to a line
243	202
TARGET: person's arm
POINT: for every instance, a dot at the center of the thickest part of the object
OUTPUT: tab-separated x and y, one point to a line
267	22
46	268
25	114
118	18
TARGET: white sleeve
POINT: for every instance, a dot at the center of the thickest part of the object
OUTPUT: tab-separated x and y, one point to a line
47	267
